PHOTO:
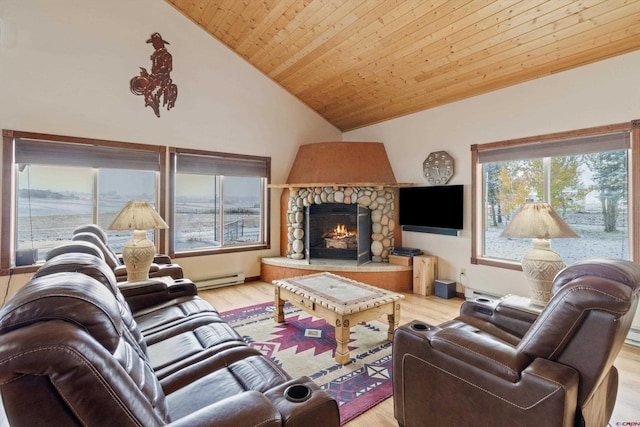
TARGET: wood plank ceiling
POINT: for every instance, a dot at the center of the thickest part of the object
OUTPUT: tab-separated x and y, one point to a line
359	62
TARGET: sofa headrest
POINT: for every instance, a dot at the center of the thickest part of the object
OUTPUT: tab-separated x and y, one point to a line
111	259
617	270
70	297
94	229
75	246
79	262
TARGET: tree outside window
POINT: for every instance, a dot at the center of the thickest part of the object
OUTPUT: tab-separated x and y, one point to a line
585	180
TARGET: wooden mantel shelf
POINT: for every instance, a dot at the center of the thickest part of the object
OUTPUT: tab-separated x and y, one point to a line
343	184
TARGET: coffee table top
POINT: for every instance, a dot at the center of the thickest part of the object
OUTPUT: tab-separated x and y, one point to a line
338	293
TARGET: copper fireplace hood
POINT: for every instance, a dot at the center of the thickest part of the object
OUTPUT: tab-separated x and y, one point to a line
343	163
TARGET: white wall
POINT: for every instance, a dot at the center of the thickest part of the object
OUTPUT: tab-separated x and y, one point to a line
65	67
599	94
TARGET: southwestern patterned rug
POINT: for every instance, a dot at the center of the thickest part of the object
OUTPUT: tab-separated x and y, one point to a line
305	345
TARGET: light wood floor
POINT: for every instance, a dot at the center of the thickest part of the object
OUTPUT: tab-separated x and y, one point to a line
435	310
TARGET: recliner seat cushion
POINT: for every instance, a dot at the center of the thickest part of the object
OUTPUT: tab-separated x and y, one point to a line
225	374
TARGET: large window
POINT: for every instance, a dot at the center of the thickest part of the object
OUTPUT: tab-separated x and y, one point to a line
584	175
52	184
220	201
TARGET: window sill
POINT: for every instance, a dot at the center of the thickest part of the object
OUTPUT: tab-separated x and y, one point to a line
21	270
215	251
495	262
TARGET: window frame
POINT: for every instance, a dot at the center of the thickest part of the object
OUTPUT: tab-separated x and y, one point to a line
266	200
477	200
9	196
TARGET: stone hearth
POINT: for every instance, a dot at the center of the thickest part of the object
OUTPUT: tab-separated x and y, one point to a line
397	278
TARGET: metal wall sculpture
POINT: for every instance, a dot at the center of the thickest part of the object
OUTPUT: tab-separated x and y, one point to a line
158	83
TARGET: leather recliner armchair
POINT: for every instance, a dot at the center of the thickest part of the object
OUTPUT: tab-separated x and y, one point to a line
500	364
161	265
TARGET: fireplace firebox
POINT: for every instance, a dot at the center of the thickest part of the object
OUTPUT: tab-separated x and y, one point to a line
338	231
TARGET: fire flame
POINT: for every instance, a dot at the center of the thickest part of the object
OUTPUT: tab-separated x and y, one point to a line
341	232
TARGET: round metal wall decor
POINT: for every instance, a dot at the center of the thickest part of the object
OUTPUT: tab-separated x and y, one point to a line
438	168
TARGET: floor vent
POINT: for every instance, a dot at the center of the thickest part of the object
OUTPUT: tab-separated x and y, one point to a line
217	282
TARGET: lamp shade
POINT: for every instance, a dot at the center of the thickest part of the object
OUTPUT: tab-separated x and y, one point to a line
538	221
540	264
138	215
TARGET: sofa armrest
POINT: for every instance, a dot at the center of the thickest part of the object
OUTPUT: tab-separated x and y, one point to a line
494	357
155	270
302	403
250	408
162	259
513	318
120	271
144	293
157	259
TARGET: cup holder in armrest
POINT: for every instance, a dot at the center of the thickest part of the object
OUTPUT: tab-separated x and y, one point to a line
484	310
420	327
297	393
484	306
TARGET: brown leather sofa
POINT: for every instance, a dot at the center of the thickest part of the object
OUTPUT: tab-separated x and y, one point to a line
501	364
73	351
161	266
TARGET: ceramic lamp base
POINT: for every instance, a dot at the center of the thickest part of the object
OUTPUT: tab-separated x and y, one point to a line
138	255
540	265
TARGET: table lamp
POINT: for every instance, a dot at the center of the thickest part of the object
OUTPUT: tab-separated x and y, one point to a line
138	253
540	264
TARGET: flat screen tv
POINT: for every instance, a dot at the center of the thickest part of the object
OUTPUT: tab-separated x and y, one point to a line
435	209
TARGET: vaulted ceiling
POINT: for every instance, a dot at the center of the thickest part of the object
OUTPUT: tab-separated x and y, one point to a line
359	62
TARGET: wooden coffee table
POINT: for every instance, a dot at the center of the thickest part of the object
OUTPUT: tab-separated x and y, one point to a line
340	301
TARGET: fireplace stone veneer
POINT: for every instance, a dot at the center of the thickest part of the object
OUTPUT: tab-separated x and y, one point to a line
378	199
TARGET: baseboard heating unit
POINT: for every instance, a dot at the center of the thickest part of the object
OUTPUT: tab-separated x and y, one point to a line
220	281
633	338
470	293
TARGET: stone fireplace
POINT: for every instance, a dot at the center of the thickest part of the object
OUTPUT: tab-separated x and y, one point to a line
353	175
377	203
